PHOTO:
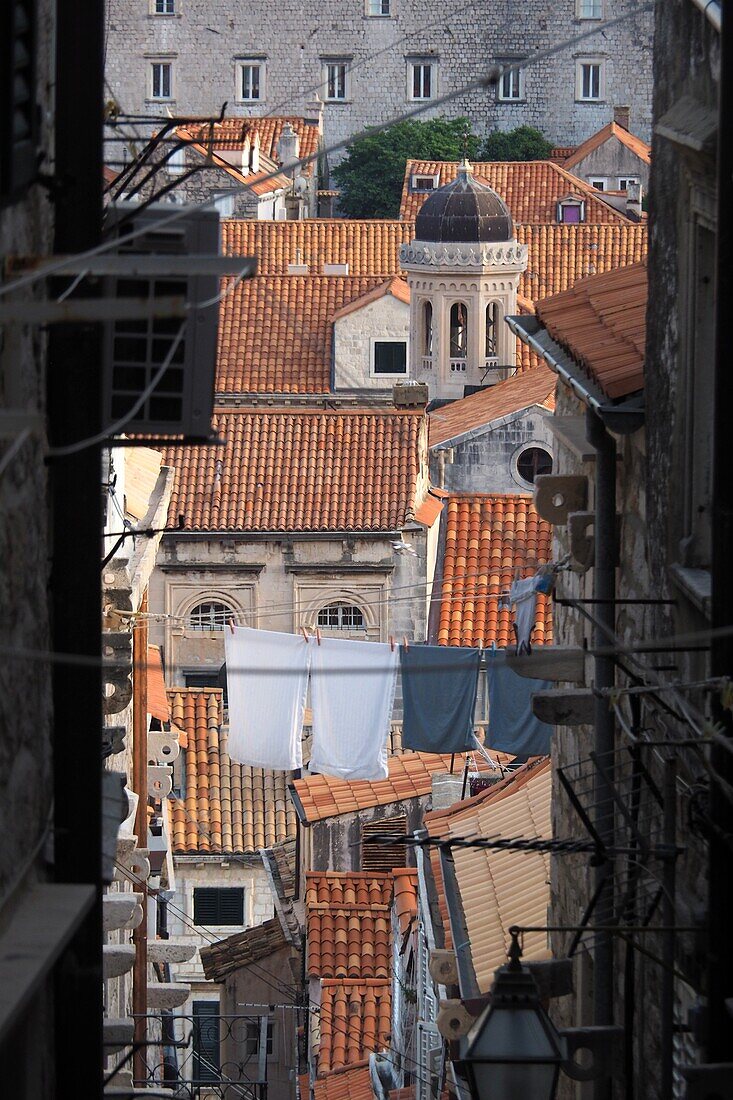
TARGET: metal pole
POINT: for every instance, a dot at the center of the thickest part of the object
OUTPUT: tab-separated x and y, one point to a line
668	919
604	592
140	786
74	404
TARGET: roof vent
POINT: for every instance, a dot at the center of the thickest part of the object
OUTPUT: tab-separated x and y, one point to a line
335	269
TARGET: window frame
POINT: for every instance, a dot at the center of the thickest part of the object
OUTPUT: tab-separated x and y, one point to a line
434	178
340	605
514	72
429	63
374	340
589	18
594	181
565	204
328	63
635	181
209	923
161	63
530	445
389	14
164	14
243	63
206	602
586	62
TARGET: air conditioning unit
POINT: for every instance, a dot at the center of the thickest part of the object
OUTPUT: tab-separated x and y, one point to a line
182	400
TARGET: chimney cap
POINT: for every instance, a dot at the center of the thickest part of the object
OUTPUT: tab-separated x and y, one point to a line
622	115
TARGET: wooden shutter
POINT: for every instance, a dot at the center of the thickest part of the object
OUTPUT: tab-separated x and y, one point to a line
206	1039
218	905
383	857
18	110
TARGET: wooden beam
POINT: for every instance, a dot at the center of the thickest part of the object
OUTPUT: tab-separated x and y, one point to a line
140	786
40	926
565	706
558	663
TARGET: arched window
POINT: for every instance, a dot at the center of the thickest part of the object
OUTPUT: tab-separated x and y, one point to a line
210	615
458	331
341	616
427	328
492	329
533	461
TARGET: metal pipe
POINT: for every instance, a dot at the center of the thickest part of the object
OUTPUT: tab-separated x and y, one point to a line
713	11
668	918
604	591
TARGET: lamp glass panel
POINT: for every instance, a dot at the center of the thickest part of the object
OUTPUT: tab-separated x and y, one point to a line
514	1033
514	1081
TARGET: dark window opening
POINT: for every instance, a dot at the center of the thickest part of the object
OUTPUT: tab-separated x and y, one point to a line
390	357
205	1041
534	461
218	905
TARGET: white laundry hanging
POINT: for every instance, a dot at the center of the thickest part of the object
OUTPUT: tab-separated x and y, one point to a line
267	680
352	692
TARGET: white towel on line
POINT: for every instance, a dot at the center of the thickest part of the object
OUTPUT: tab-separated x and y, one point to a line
267	680
352	692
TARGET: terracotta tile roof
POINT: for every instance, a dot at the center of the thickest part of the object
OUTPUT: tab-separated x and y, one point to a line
355	1021
612	130
295	470
348	925
228	808
559	255
398	288
487	539
430	509
230	134
369	247
405	896
157	698
501	888
241	949
530	188
262	182
601	322
344	1084
532	387
562	152
276	332
410	776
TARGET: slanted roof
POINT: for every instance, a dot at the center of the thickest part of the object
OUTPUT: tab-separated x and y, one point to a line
607	133
301	470
348	918
488	539
532	387
355	1022
157	698
344	1084
276	332
230	135
530	188
398	288
410	776
601	323
241	949
227	808
499	889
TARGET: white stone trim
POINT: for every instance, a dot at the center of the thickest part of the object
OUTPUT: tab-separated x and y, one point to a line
506	256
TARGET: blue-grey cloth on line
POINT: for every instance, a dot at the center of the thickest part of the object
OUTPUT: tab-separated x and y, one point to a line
439	685
513	728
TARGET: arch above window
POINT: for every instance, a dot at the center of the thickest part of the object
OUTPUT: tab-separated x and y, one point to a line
341	616
209	615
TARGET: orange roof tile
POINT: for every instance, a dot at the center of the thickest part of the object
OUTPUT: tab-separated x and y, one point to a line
228	808
275	333
487	539
601	322
612	130
231	133
355	1021
370	248
398	288
502	888
157	698
429	510
295	470
344	1084
348	925
405	896
530	188
410	776
531	387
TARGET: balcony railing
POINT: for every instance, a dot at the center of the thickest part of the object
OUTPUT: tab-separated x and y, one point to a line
427	362
458	366
491	362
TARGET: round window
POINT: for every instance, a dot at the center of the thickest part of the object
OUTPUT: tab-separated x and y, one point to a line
534	461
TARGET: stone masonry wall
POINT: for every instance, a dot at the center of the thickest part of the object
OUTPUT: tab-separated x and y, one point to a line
294	37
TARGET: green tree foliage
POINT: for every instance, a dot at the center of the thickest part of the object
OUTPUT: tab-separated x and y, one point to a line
371	174
524	143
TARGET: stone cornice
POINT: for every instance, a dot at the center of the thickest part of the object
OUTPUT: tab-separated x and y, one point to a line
505	256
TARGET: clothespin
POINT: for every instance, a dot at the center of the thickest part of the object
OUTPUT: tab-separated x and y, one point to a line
405	643
391	643
318	636
304	632
231	625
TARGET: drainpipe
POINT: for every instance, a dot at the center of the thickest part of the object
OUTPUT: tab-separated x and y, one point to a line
604	589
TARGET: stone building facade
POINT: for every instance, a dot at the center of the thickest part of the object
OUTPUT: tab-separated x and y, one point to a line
373	59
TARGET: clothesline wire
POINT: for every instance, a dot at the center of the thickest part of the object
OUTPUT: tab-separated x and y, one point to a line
485	80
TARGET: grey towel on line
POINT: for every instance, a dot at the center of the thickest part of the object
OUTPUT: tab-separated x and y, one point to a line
439	685
513	727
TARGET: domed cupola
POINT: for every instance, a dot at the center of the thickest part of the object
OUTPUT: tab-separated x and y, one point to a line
463	269
464	211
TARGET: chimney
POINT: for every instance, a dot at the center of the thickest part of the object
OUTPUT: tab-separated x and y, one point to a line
633	200
288	149
622	116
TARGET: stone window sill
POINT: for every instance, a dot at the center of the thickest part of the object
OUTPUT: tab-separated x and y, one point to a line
512	102
694	584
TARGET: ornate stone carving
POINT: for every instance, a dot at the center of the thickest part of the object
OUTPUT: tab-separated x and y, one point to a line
503	254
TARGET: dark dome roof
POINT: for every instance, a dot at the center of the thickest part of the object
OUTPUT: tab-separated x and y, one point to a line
464	211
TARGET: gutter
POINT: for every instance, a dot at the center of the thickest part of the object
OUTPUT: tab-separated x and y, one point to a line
712	10
624	418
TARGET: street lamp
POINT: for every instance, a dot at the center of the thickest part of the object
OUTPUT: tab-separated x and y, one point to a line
513	1050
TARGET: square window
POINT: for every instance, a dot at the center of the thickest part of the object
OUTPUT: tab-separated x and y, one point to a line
422	79
390	357
165	7
335	81
162	80
218	905
424	183
589	9
511	85
250	86
598	184
625	182
589	81
379	7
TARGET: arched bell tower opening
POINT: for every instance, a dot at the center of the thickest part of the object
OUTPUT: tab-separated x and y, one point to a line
463	268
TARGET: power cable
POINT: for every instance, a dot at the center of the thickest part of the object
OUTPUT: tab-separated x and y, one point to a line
484	81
